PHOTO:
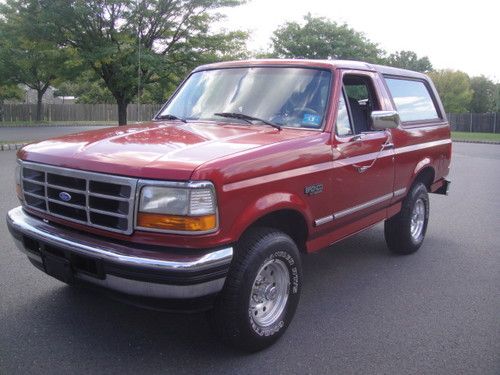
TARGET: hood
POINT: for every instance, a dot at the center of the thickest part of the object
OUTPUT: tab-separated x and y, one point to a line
158	150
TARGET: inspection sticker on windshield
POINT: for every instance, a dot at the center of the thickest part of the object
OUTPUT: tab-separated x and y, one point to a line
311	119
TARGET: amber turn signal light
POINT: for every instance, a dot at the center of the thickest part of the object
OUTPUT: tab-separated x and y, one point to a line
176	223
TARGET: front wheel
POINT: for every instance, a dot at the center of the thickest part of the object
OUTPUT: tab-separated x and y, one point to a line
261	291
405	232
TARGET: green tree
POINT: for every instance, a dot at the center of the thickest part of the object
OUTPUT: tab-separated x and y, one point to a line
87	88
484	97
8	90
454	88
320	38
27	55
497	98
409	60
120	40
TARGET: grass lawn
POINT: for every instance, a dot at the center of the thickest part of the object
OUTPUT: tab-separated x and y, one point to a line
465	136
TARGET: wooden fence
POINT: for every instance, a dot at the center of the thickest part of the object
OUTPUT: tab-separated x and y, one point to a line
76	112
60	113
475	122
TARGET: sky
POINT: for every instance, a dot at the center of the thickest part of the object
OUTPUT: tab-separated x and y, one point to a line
459	35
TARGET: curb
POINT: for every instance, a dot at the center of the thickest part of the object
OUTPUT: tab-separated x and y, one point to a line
12	146
480	142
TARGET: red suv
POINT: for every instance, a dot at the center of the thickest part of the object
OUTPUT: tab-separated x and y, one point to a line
248	166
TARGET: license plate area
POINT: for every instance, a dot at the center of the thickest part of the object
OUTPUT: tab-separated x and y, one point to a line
58	267
63	265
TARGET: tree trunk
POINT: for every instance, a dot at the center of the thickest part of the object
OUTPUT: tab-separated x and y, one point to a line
122	111
39	105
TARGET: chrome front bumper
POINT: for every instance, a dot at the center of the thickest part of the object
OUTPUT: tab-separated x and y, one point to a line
124	268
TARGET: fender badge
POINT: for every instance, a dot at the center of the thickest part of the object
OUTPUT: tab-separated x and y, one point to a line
313	189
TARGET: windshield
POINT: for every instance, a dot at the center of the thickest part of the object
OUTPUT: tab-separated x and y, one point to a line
294	97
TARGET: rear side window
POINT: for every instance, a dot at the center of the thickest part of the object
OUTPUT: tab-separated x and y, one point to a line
412	99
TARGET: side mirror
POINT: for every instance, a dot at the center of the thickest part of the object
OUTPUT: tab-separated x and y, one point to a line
382	120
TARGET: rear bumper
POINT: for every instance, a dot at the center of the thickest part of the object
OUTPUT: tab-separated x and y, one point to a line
165	273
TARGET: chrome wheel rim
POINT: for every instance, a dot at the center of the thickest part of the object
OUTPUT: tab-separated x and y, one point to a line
269	293
417	219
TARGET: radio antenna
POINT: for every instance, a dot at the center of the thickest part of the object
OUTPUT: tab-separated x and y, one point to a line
139	64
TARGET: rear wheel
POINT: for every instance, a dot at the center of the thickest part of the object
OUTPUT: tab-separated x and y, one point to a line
405	232
261	292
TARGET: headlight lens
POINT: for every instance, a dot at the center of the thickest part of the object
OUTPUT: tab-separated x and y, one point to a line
163	200
177	209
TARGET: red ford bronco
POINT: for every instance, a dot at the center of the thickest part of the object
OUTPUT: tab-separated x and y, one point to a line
248	166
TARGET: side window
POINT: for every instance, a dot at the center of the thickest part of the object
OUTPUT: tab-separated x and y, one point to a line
412	99
343	125
361	101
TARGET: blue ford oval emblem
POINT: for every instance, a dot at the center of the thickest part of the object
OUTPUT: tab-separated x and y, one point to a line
66	197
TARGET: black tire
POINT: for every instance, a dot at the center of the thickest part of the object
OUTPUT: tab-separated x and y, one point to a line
232	317
398	229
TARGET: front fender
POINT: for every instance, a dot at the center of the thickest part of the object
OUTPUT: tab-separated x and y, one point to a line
273	202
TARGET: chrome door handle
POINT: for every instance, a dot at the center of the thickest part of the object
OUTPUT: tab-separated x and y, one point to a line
388	146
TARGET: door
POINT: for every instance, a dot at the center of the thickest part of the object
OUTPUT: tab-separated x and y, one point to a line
363	175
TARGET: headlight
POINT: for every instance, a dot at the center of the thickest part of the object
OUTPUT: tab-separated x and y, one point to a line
188	208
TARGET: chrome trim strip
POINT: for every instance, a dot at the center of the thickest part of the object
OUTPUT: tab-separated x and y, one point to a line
323	220
359	207
80	243
362	206
399	192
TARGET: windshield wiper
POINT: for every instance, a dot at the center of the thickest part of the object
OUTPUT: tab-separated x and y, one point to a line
247	118
170	117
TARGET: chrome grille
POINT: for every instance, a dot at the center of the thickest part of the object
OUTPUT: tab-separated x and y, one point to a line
95	199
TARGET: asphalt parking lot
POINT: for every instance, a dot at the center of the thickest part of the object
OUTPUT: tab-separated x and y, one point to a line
362	311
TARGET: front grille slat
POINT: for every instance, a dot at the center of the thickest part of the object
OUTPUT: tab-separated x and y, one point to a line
31	181
95	199
107	213
97	195
78	206
65	188
34	195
